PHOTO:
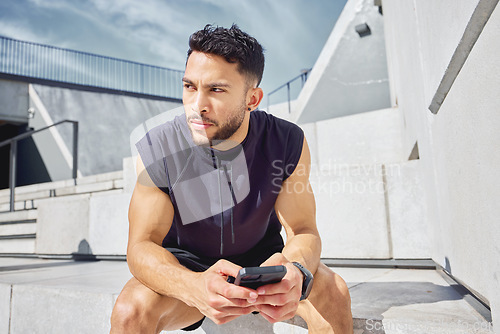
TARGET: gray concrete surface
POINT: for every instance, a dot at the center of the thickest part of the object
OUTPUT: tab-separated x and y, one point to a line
14	106
350	75
405	203
104	134
58	296
94	224
351	214
459	164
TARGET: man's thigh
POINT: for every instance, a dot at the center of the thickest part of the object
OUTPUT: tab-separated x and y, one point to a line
166	312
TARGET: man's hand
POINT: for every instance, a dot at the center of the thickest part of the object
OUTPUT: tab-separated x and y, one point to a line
219	300
279	301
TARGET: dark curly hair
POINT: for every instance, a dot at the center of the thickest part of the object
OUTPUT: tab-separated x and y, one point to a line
234	45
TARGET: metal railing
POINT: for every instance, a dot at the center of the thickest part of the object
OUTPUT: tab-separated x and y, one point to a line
13	155
303	79
46	62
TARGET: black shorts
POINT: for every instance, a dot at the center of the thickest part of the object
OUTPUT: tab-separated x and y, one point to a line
253	258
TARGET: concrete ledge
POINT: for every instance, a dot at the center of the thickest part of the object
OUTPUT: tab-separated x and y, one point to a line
100	177
17	228
18	216
84	224
27	196
39	187
66	218
18	246
18	206
383	301
367	138
419	300
54	310
382	263
118	183
33	190
85	188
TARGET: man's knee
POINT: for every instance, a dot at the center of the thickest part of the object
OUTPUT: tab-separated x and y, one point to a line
333	299
129	312
125	312
332	283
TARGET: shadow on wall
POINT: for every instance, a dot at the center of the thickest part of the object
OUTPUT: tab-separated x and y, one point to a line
84	252
447	264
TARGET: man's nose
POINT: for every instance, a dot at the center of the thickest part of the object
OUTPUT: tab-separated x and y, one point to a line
200	104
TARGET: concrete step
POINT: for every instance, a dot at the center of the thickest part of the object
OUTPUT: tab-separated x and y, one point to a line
18	216
18	246
50	296
18	232
117	175
33	204
64	191
38	187
17	229
93	183
19	205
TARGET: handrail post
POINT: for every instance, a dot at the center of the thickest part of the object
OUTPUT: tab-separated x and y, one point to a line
13	156
12	172
75	151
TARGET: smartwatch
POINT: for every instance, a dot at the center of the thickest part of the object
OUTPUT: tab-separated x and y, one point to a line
308	280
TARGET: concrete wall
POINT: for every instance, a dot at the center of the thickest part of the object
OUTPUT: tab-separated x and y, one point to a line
459	145
13	101
90	224
369	199
105	123
366	138
55	152
350	75
280	110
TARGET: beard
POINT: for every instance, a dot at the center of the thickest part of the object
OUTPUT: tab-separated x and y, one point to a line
224	129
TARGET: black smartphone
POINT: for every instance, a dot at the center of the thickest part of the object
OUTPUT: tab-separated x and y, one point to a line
253	277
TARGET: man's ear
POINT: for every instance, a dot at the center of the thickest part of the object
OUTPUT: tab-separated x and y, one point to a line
254	97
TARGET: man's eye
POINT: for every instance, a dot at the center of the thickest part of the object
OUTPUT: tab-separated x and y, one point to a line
218	90
188	86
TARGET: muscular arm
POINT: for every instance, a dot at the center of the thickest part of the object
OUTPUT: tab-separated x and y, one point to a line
296	210
150	216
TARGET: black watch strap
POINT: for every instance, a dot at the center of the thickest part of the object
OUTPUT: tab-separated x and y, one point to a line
308	280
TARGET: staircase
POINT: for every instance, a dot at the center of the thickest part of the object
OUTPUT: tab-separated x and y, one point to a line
18	229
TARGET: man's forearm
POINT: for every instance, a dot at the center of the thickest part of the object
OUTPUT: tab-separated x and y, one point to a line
304	248
159	270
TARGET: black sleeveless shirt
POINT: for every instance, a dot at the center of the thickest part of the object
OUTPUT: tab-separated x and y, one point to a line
223	200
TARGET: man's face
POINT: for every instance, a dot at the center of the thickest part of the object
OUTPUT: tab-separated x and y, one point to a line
214	98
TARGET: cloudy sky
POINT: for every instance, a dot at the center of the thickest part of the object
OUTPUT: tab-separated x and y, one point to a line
156	32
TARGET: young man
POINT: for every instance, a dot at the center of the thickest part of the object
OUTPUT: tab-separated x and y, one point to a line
214	189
